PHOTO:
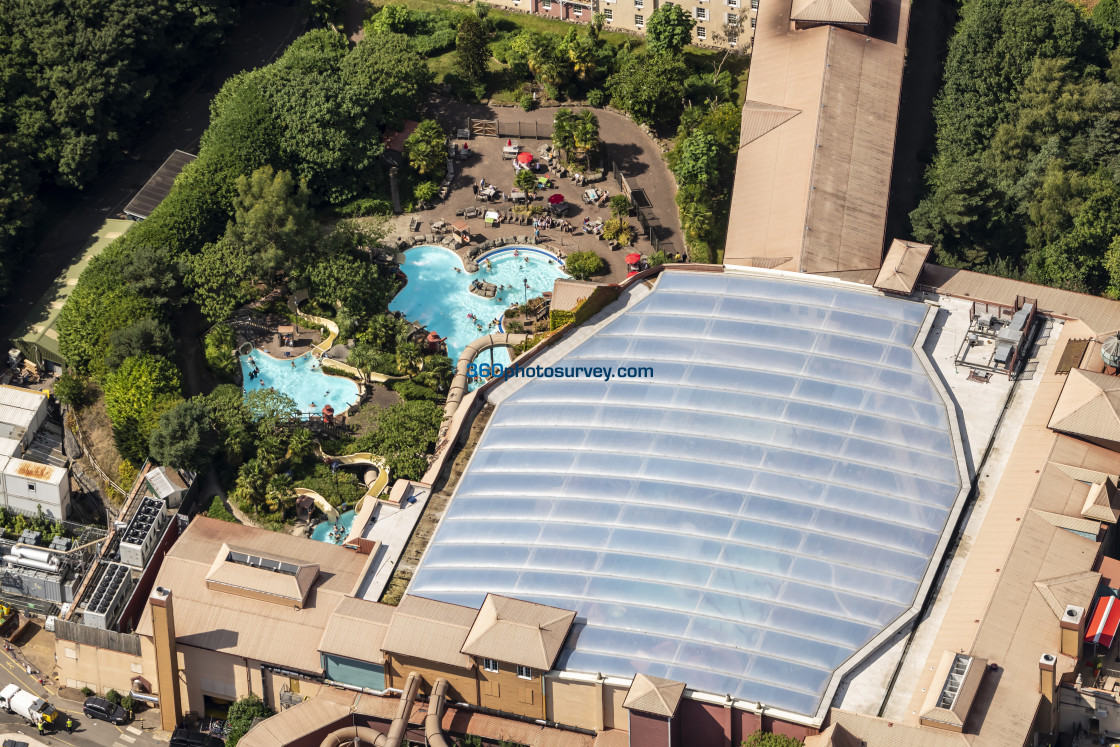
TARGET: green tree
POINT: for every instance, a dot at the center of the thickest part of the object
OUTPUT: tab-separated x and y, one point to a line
585	134
271	221
426	149
145	337
218	510
73	390
184	437
563	124
620	206
525	180
241	715
582	265
218	349
699	160
437	374
351	281
471	52
405	435
669	29
650	87
137	393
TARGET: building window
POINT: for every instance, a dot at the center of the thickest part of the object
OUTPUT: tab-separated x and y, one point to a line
754	4
525	673
490	665
753	21
639	4
546	5
608	15
700	13
639	21
701	32
31	487
733	18
579	11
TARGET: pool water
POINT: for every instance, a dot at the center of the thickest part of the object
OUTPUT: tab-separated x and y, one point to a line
304	381
440	298
323	529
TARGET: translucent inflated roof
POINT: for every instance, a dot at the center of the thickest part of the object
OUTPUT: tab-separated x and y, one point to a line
746	520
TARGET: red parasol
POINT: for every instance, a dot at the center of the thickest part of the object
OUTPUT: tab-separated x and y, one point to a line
525	158
632	273
509	143
555	199
328	410
633	258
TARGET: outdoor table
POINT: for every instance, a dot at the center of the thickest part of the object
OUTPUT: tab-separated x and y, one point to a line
487	193
510	151
516	195
492	218
543	182
591	195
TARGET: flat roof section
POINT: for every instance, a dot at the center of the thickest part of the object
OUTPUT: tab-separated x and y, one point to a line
158	186
752	519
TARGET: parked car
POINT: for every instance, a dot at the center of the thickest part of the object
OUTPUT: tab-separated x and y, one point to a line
100	708
187	738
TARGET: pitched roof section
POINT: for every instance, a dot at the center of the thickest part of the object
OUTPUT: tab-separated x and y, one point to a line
1101	501
518	632
158	186
655	695
856	12
1077	589
245	626
568	293
759	118
357	630
814	189
955	683
431	630
267	576
902	266
1089	406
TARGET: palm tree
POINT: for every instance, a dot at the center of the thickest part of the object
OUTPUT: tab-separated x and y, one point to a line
408	356
585	133
562	125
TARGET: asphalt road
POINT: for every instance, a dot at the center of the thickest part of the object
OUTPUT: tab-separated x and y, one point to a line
87	732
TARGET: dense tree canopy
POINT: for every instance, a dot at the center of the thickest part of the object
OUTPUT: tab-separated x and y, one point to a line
669	29
1025	178
650	87
76	79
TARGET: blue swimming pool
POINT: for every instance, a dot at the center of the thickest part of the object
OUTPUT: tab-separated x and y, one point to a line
439	297
322	531
299	378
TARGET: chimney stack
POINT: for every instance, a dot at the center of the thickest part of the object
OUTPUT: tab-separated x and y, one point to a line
167	658
1073	630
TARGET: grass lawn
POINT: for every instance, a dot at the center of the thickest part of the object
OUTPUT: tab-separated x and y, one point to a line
523	20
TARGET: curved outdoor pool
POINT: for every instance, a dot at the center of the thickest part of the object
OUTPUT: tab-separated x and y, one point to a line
322	530
301	379
440	298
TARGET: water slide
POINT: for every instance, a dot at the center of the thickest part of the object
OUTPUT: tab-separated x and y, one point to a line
358	735
433	722
375	484
321	503
294	301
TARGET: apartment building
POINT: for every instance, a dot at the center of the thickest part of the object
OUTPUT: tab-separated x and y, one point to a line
631	15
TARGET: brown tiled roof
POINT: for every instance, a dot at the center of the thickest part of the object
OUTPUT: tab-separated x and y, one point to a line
568	294
518	632
953	714
760	118
431	630
357	630
1075	589
655	695
812	190
286	587
872	731
834	736
855	12
1100	315
1089	406
1101	501
902	266
242	626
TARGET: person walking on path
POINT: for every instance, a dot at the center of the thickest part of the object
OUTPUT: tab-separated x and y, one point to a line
69	725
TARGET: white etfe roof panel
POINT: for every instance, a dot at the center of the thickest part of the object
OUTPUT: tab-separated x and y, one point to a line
744	521
25	399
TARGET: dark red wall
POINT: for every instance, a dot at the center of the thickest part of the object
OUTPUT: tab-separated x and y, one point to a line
648	731
704	725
